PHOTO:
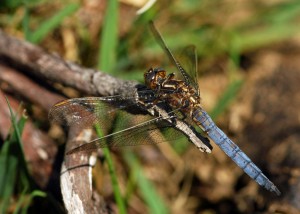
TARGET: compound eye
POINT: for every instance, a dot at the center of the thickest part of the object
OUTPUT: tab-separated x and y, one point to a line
151	71
150	77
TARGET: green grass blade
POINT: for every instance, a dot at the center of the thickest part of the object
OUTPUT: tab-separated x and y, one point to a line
146	188
226	98
285	12
24	202
109	38
35	193
112	172
25	21
14	122
118	196
8	172
257	39
21	201
276	24
49	25
12	163
11	4
15	146
106	61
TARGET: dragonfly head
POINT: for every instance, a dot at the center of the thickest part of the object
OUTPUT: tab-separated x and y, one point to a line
154	77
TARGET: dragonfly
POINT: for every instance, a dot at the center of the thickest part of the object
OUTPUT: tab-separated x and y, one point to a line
180	97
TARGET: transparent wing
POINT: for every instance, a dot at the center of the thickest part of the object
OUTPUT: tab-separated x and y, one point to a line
148	132
90	111
188	60
191	59
86	112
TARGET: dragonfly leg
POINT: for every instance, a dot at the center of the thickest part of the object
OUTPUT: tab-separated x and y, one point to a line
167	79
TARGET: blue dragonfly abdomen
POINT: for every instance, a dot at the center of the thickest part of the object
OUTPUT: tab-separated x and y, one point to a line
232	150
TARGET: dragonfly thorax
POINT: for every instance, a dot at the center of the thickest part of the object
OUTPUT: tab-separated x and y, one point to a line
176	93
